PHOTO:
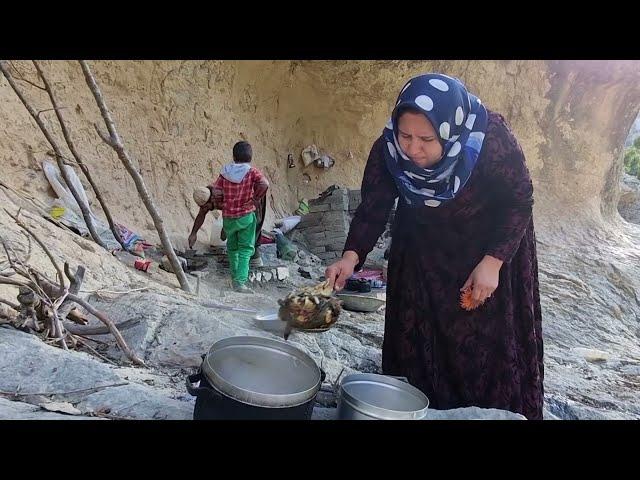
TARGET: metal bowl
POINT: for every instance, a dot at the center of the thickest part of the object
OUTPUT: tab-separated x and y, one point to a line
360	303
270	322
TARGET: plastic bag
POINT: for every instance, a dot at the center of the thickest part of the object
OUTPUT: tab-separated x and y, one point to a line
289	223
216	230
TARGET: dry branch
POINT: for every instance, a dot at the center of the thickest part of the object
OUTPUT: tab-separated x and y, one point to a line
42	245
53	290
112	328
116	143
76	156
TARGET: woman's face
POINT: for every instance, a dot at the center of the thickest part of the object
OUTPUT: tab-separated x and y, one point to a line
418	139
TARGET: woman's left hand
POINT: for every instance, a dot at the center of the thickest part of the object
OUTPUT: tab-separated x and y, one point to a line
484	278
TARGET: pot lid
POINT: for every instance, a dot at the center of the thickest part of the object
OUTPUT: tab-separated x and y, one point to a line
261	372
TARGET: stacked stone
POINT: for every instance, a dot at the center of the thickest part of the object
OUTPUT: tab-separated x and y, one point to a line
326	225
220	254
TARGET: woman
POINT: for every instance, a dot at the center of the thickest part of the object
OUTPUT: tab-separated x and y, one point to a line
463	223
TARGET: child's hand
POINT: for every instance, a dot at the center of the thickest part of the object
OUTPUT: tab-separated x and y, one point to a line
192	240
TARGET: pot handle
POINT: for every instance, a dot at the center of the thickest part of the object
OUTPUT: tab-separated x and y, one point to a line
193	378
323	375
193	390
196	391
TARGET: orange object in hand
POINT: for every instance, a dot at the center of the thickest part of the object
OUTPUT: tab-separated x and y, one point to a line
466	300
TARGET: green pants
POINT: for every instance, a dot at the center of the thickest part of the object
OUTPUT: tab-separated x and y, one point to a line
241	239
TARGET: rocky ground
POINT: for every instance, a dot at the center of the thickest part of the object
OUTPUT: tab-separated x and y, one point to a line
591	308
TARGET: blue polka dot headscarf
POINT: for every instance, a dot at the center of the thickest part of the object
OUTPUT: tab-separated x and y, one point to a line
460	121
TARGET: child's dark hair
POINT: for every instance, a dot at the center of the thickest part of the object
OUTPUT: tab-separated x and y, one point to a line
242	152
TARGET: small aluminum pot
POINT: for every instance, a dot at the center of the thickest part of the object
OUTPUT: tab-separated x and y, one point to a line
367	396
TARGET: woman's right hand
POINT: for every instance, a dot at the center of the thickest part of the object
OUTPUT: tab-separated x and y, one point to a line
339	272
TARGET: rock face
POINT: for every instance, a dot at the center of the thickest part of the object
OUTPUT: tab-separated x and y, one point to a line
50	380
28	366
180	120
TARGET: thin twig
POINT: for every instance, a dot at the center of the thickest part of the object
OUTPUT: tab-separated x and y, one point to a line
20	77
43	246
49	110
6	250
100	329
90	339
35	278
67	160
28	257
59	328
24	272
29	246
21	394
101	291
95	352
75	281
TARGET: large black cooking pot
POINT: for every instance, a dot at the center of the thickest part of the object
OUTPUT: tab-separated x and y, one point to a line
254	378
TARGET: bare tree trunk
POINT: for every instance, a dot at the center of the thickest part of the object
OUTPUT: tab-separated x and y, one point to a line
58	154
116	143
76	155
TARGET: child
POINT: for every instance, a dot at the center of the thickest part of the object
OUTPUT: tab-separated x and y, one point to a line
207	203
241	187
